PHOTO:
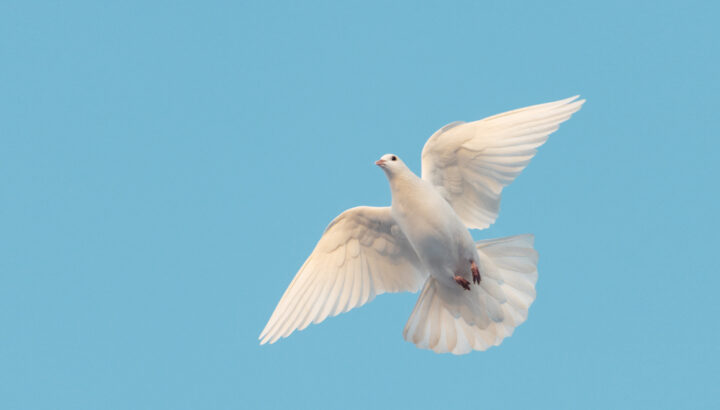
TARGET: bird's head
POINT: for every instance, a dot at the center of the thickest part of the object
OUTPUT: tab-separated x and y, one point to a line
391	164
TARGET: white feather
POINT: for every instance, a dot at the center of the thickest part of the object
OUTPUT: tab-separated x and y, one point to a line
344	269
471	162
462	316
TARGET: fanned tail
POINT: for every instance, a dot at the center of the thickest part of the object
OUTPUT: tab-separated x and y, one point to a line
453	320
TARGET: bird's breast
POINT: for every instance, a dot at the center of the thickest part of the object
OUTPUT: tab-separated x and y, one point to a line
432	227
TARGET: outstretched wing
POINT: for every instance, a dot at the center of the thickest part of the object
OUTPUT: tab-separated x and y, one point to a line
470	163
362	253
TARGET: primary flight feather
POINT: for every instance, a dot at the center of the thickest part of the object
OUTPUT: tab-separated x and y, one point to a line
474	294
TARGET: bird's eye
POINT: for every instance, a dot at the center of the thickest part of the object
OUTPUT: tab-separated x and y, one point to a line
394	158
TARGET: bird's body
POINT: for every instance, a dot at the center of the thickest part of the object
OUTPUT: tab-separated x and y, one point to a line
441	241
474	294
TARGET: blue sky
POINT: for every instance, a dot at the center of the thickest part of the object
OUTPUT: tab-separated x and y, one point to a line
165	169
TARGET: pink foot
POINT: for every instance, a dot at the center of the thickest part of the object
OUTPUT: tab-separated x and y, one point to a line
475	272
462	282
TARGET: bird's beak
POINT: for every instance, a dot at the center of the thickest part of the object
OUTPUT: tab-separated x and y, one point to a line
380	162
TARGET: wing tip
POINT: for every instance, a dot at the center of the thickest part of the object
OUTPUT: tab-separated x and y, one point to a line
573	98
268	339
573	101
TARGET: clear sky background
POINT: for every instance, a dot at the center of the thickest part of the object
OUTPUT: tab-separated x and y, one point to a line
166	168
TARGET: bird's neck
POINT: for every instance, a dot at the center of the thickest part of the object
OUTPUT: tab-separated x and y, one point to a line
402	183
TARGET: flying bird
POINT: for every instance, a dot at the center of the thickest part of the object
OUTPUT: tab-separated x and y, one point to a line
474	294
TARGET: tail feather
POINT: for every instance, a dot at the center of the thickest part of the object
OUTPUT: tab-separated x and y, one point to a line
453	320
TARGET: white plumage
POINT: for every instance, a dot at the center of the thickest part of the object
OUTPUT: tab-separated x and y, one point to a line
422	240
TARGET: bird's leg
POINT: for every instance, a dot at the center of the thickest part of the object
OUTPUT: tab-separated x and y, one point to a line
475	272
462	282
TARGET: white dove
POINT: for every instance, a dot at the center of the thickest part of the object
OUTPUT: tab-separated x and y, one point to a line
474	293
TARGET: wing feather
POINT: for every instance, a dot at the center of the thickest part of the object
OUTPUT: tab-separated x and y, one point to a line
361	254
470	163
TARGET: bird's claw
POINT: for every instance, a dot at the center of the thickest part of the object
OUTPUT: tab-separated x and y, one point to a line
462	282
475	272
